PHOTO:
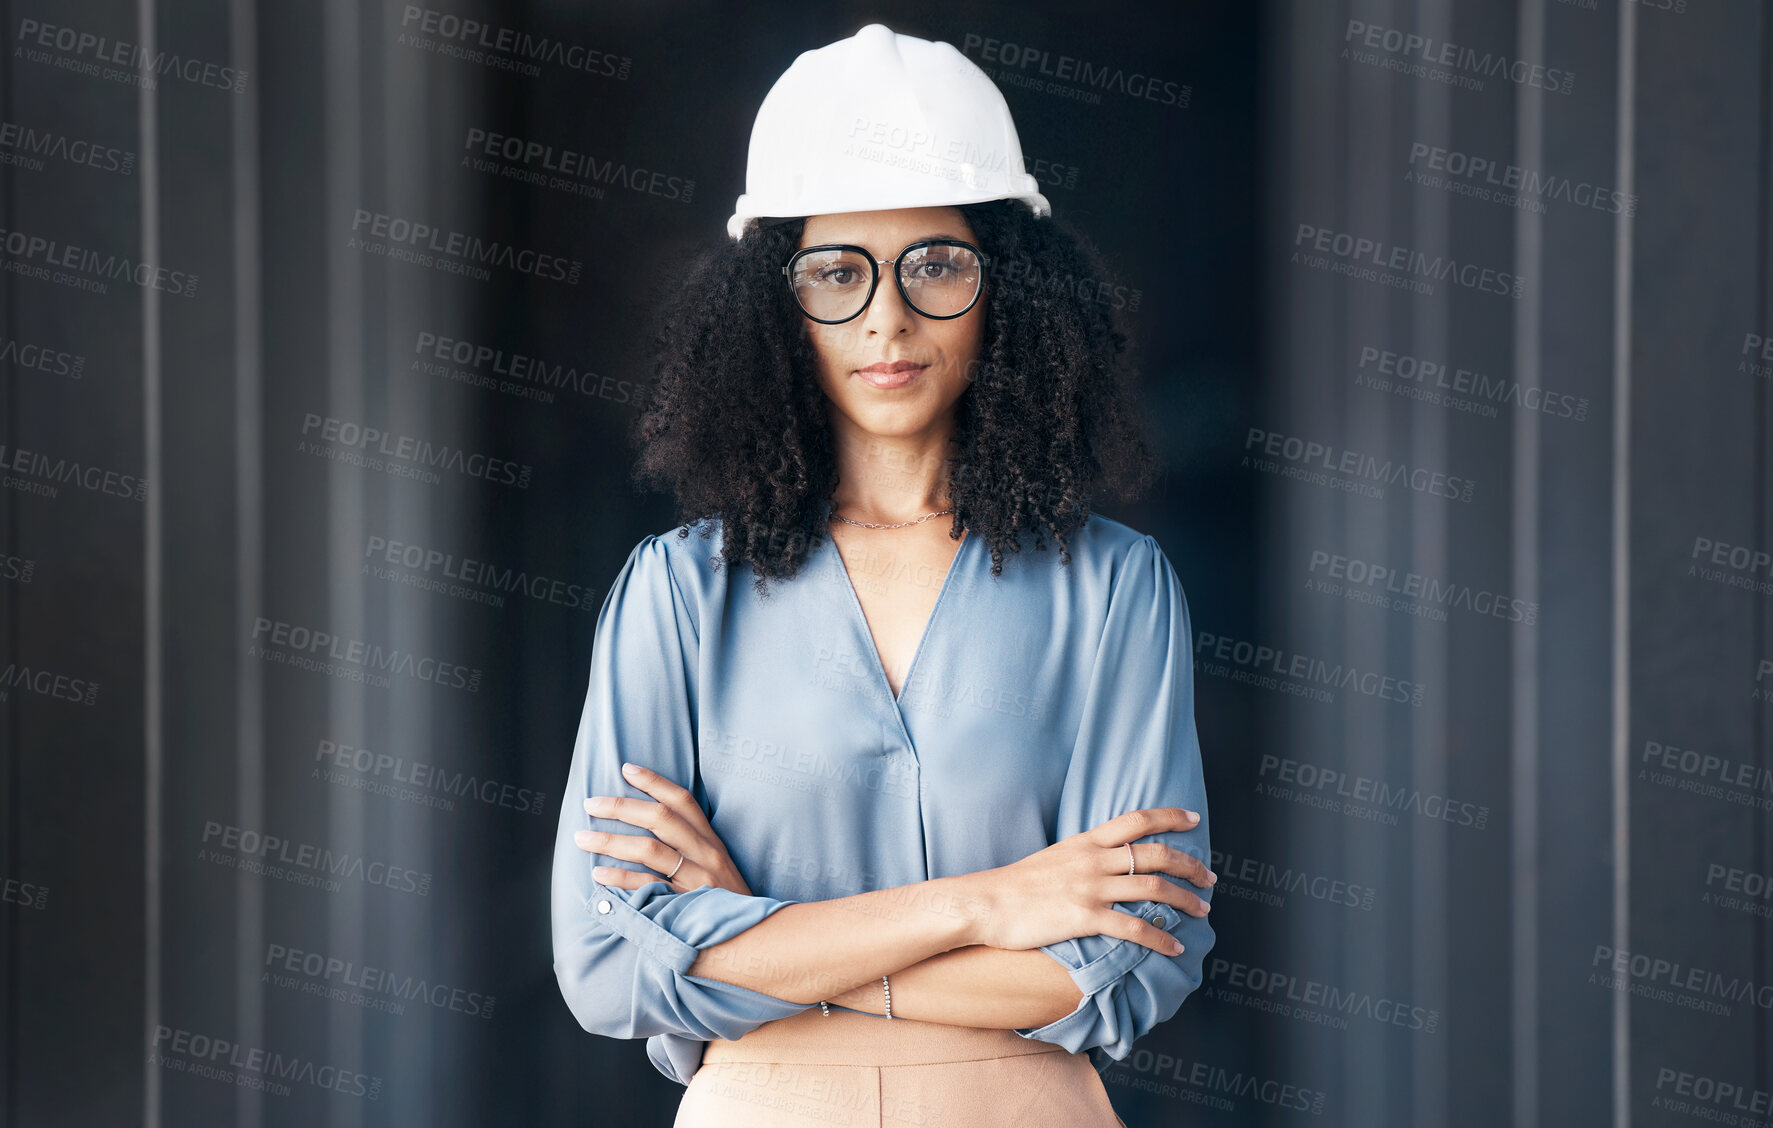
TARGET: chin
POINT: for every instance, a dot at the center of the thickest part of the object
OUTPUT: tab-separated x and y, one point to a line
889	422
888	414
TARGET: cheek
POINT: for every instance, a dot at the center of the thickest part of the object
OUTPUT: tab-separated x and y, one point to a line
829	343
968	339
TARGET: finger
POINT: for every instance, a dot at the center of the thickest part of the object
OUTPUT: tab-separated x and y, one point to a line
1137	824
1156	887
675	797
1126	926
1184	865
647	851
1153	857
618	878
665	824
634	812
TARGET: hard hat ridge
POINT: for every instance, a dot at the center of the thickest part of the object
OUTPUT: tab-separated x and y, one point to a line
881	120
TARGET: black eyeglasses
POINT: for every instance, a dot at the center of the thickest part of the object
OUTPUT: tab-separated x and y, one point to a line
939	278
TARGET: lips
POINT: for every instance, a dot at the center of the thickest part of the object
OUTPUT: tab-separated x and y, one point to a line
895	375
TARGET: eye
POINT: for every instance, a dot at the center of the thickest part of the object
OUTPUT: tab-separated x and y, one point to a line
840	275
941	266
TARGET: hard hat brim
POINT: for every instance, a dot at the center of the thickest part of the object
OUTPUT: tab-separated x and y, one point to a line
743	218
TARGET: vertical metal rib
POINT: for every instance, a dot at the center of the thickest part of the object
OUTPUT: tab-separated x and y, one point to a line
1529	259
152	594
1622	251
249	750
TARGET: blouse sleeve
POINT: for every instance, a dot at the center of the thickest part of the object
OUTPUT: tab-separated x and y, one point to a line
622	957
1136	748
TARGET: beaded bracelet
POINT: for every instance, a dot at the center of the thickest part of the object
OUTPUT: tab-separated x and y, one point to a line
886	988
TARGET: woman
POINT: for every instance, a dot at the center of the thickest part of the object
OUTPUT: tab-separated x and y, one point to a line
887	833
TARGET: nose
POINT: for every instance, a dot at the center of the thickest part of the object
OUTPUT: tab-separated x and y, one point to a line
887	312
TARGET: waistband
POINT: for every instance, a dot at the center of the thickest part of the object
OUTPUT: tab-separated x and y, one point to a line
848	1037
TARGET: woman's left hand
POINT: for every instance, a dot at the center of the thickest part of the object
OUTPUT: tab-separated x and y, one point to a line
678	827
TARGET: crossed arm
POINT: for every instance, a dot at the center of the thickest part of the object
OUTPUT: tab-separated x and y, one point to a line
921	939
977	985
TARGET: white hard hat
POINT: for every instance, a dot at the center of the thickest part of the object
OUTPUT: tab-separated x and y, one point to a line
881	120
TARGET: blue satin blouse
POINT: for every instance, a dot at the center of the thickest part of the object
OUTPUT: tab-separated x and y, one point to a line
1038	704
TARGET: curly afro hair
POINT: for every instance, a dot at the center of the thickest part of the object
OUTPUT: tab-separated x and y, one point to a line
735	425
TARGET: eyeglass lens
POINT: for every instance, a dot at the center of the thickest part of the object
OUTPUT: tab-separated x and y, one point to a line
940	280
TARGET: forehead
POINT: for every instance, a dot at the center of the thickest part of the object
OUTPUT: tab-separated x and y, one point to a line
885	232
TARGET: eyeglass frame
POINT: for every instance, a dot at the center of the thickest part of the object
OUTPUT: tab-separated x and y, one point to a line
874	266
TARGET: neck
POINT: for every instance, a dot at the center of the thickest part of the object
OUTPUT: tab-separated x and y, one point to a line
888	479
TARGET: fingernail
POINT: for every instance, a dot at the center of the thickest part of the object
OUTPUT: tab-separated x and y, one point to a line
1191	814
1212	878
594	804
1176	946
1206	907
632	771
582	837
601	873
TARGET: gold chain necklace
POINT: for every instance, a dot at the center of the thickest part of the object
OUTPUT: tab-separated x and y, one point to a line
900	525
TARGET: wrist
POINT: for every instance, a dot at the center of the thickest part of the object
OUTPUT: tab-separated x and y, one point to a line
963	901
859	997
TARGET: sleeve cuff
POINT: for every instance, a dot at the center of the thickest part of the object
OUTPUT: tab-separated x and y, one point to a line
1096	963
675	1056
672	929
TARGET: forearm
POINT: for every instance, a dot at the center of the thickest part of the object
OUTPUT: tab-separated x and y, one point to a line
977	985
814	950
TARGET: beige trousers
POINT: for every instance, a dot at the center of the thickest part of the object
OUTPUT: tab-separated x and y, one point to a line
854	1070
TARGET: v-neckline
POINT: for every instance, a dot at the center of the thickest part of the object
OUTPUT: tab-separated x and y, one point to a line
928	624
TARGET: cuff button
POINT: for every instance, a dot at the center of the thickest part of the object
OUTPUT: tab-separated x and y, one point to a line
604	906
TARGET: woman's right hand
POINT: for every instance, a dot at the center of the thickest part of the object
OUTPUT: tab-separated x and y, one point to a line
1069	889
